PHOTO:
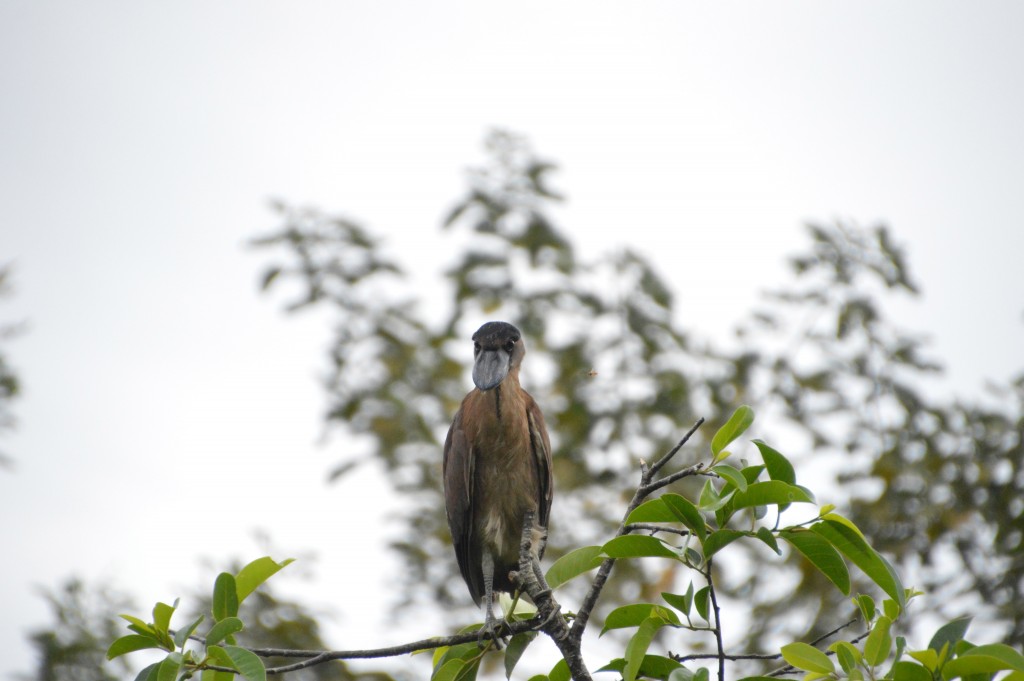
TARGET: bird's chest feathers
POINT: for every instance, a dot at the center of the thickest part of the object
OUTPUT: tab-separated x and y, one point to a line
505	466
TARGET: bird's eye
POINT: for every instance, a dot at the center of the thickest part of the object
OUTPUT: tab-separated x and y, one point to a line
476	348
509	346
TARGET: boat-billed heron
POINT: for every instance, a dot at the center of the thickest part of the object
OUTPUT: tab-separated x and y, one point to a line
497	466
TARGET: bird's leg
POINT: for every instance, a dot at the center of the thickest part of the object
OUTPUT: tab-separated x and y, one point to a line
487	567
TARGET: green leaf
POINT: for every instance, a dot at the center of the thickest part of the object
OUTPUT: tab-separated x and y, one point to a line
129	644
652	667
847	654
807	657
770	492
734	427
247	663
719	540
684	674
768	537
560	672
573	564
711	500
821	554
181	635
223	629
631	546
986	659
951	633
702	674
845	536
455	670
652	511
681	603
256	573
140	627
686	513
225	597
149	673
927	657
700	601
905	670
636	649
634	614
879	642
779	467
891	609
516	647
730	475
866	605
168	669
162	617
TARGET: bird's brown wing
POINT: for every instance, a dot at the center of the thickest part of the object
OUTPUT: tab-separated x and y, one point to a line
458	499
542	460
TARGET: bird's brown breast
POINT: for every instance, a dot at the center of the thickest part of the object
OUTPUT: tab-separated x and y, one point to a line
504	466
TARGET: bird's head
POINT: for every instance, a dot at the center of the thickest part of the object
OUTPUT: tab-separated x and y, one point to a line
497	349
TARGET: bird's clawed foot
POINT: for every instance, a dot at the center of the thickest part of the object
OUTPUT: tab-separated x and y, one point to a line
490	632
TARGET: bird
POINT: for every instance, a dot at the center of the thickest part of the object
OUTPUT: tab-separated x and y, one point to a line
497	467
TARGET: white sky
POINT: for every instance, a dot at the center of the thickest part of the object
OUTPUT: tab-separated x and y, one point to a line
140	142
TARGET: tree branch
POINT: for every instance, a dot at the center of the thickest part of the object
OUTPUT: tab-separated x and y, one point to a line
643	490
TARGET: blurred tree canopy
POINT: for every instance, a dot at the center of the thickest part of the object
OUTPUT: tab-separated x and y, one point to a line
10	385
938	481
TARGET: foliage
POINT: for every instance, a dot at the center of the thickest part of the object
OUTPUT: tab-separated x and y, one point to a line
72	649
733	506
617	377
10	385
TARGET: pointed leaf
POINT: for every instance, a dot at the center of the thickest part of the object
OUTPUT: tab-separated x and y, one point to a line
879	642
652	511
719	540
255	573
516	647
770	492
681	603
779	467
807	657
845	536
181	635
149	673
951	633
686	513
129	644
821	554
765	535
225	597
700	601
247	663
733	428
631	546
223	629
731	475
634	614
168	669
560	672
847	654
573	564
636	649
986	659
162	617
905	670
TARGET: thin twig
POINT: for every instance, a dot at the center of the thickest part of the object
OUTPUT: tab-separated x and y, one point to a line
718	622
642	491
660	463
651	527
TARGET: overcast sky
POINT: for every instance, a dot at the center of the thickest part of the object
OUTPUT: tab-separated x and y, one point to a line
140	143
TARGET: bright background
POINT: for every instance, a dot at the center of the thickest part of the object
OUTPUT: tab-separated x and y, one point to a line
140	143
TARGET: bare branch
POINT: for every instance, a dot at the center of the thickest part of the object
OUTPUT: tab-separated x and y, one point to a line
642	491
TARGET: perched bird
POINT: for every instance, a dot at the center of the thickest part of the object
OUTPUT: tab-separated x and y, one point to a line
497	466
